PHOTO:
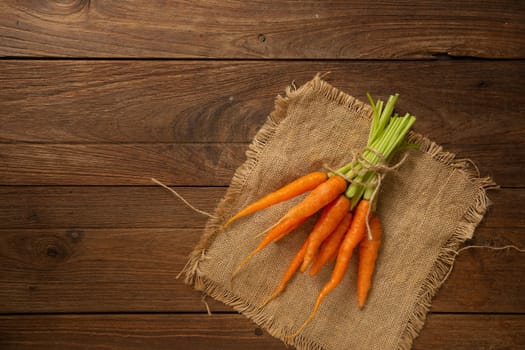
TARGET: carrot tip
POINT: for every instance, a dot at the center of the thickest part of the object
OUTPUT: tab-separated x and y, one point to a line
303	326
314	271
270	298
243	262
303	268
227	223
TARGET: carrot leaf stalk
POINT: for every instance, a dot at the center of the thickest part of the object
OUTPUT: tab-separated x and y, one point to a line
387	133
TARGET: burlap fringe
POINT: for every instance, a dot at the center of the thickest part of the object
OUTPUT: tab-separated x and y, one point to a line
254	313
431	284
333	94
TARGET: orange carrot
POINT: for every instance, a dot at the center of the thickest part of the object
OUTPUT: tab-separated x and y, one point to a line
328	250
352	238
319	197
327	223
299	186
282	228
368	251
315	200
292	268
296	223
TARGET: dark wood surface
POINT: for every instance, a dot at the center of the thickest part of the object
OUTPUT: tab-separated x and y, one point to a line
209	101
97	97
284	29
228	331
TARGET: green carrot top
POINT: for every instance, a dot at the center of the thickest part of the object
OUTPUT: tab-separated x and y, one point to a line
387	133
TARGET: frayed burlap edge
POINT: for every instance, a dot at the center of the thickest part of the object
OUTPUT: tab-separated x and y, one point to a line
437	273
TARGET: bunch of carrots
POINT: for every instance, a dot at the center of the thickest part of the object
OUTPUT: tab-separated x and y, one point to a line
346	199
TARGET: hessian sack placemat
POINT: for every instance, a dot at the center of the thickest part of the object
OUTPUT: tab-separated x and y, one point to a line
428	207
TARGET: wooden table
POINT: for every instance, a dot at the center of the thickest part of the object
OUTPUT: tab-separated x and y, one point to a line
98	96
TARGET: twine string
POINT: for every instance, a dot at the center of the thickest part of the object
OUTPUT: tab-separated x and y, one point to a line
183	269
203	299
188	204
380	169
457	252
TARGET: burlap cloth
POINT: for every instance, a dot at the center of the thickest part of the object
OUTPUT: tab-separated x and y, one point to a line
428	207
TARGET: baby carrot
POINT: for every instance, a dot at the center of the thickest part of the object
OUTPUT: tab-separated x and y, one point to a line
297	223
292	268
327	223
315	200
368	251
318	198
328	250
282	228
352	238
299	186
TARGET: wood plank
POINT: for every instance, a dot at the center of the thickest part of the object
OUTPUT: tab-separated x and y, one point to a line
154	207
103	207
97	270
219	29
45	270
142	331
469	332
195	101
122	164
136	101
472	332
186	164
497	276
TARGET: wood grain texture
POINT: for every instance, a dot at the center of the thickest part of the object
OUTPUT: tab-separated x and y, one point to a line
457	102
472	332
97	270
154	207
133	332
186	164
459	332
79	269
484	280
285	29
122	164
89	247
103	207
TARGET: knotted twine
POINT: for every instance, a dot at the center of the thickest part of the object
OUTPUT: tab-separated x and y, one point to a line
380	169
428	206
